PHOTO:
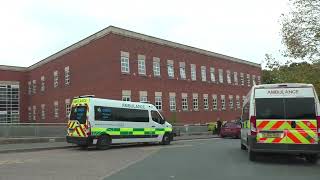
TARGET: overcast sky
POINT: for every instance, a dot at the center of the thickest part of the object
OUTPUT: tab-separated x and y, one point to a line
35	29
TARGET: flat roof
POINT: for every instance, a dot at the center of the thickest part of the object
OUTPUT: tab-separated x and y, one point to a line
134	35
12	68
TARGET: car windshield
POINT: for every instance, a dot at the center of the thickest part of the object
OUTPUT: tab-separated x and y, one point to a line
285	108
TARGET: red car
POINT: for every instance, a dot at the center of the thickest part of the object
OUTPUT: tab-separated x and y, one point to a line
231	129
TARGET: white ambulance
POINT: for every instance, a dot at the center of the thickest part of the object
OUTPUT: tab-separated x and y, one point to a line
281	118
102	122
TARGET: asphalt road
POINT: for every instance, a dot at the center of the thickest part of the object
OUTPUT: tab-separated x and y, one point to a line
183	160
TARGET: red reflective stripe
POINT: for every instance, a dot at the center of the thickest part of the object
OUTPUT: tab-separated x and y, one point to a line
82	131
78	132
311	126
293	138
263	124
277	125
277	140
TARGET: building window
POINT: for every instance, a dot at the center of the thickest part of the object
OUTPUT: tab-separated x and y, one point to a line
182	70
126	95
254	80
248	80
125	67
193	72
43	112
258	80
184	101
212	75
231	105
34	87
220	75
172	101
143	96
43	86
141	64
203	74
223	102
238	101
34	113
29	88
67	76
158	100
205	102
242	79
56	109
170	69
243	100
215	102
68	107
29	114
228	77
156	66
235	78
9	102
55	79
195	102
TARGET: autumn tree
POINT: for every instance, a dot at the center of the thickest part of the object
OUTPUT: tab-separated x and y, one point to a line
301	30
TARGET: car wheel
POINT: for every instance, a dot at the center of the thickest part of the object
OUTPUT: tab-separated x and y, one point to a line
166	140
103	142
252	155
312	158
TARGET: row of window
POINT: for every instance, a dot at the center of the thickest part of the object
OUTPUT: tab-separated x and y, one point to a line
32	85
32	111
234	102
125	68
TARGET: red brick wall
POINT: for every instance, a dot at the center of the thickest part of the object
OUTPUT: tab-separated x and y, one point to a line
95	69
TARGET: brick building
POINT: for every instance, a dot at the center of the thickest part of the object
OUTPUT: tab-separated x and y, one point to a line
188	84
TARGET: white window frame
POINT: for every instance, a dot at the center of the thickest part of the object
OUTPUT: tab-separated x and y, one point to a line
215	102
43	112
254	80
34	86
143	96
182	67
223	102
243	100
55	79
242	79
220	76
231	102
258	80
235	78
141	65
172	102
158	100
29	88
34	113
68	107
184	102
212	74
125	62
170	68
195	102
205	102
238	102
193	70
67	76
156	67
228	76
29	114
43	85
203	73
126	95
56	109
248	80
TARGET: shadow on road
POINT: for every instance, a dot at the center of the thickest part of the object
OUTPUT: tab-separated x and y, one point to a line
282	159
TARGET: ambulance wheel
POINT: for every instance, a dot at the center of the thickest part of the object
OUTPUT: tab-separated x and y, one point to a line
252	155
312	158
166	140
104	142
243	147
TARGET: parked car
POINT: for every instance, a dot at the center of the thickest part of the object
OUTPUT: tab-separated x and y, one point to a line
231	129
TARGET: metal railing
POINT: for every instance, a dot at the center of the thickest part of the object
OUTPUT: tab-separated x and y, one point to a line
15	130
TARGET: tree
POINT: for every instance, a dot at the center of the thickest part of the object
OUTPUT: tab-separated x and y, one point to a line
301	30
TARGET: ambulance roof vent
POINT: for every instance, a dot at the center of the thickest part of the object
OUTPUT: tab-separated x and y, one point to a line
85	96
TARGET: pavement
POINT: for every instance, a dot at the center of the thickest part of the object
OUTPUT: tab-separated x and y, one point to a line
37	144
198	159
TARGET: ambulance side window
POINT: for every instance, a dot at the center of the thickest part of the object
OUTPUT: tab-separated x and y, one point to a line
245	112
156	117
